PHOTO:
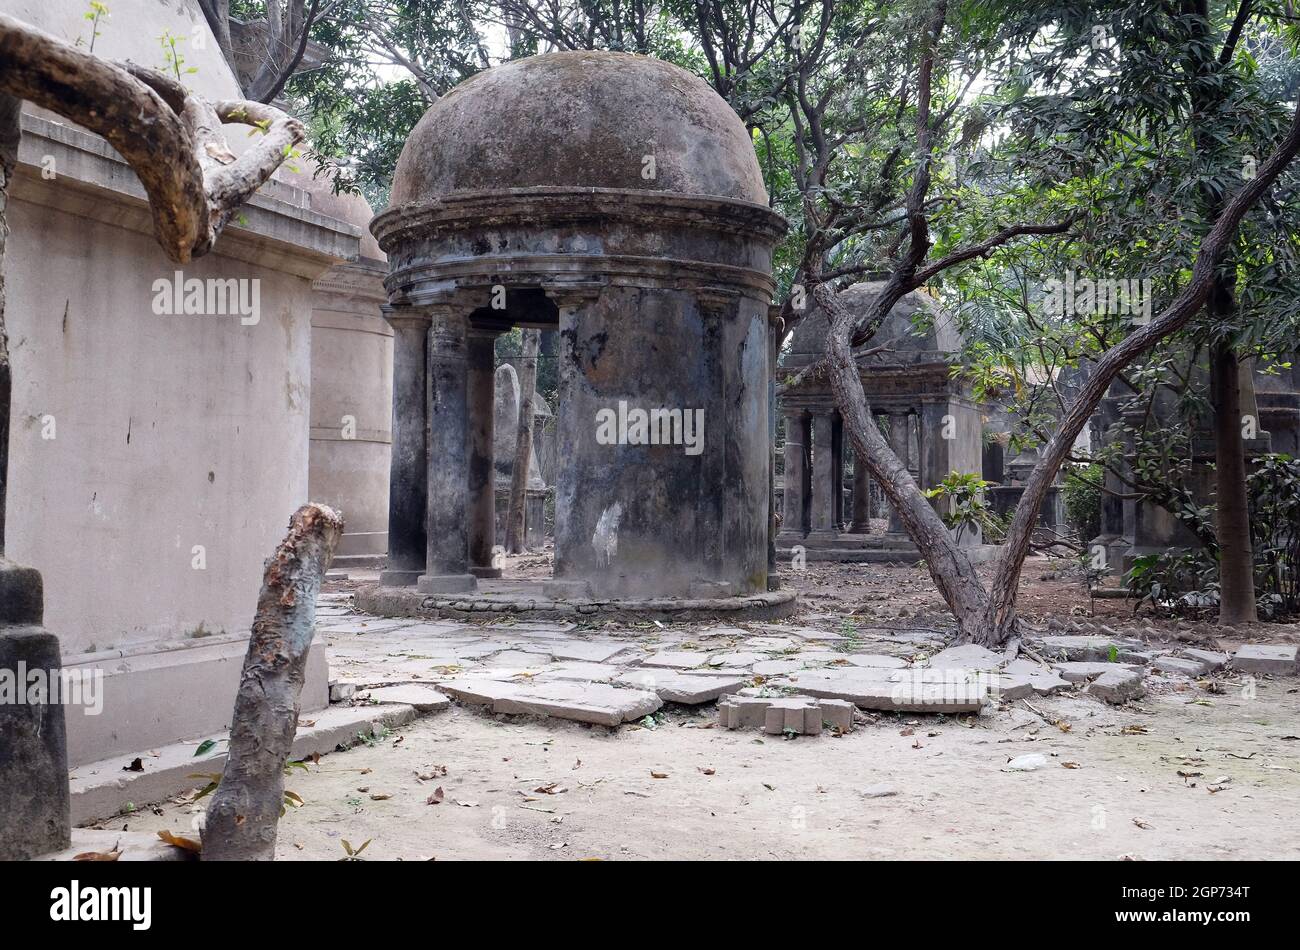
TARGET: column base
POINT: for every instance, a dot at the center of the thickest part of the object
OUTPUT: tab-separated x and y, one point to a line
788	539
446	583
558	589
822	537
856	528
396	578
486	573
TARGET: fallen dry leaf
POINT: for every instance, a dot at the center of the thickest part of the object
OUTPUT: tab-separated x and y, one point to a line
179	841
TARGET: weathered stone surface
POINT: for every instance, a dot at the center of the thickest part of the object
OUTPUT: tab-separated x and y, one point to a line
674	687
1084	648
770	644
1082	671
342	692
21	594
869	689
34	810
582	702
130	846
1117	686
797	716
479	692
582	672
878	660
1279	659
736	659
677	659
424	699
837	713
1184	666
776	667
1012	686
743	712
589	651
1213	660
880	790
968	656
1044	680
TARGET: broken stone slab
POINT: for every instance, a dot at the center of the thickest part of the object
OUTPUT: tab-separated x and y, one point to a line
1117	686
868	689
341	692
1081	671
770	644
968	656
1084	648
1044	680
582	672
1213	660
1279	659
776	667
674	687
737	659
582	702
423	699
1183	666
878	660
678	659
1012	686
588	651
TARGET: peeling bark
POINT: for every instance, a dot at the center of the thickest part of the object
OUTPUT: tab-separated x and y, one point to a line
245	810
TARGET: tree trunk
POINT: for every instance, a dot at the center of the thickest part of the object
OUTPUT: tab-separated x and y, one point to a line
951	569
10	133
1232	503
245	809
515	515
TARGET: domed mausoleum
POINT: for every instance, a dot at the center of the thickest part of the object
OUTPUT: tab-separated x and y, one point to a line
617	199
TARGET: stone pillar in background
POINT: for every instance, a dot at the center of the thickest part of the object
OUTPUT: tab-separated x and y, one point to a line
837	466
447	561
482	483
34	809
900	443
408	469
861	497
793	528
821	516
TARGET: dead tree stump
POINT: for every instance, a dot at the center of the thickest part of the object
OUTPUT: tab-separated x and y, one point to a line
245	810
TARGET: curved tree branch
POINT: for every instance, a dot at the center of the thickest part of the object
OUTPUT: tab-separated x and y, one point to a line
169	136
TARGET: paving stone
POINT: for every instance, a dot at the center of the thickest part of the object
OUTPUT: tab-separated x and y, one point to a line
737	659
1044	680
583	702
1279	659
817	636
518	658
423	698
776	667
1084	648
589	651
1213	660
1136	657
867	689
770	644
1117	686
1012	686
342	692
581	672
677	659
674	687
968	656
1081	671
1184	666
879	660
743	712
362	626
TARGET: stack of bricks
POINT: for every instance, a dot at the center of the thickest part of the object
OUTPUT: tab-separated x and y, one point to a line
796	715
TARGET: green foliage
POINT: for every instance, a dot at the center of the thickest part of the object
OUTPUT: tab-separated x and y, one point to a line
966	507
1081	492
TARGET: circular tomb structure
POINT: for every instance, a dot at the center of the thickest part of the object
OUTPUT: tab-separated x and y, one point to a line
615	199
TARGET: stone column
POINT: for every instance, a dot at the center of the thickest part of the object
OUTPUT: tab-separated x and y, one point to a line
822	527
796	474
408	468
900	443
447	562
482	411
837	466
861	497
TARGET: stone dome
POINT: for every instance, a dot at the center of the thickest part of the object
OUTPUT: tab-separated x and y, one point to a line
936	338
582	120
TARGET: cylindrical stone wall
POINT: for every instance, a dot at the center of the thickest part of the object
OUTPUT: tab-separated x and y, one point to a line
662	484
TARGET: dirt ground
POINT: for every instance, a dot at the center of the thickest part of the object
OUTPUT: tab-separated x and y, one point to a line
1186	772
